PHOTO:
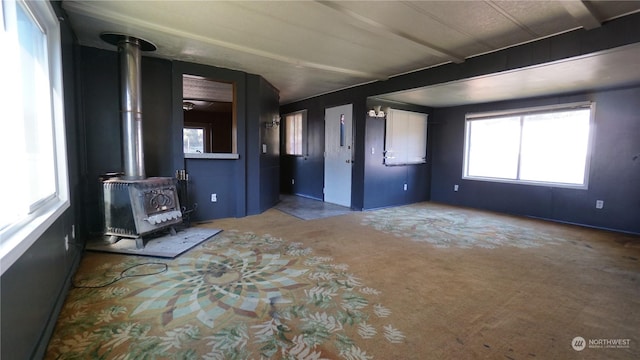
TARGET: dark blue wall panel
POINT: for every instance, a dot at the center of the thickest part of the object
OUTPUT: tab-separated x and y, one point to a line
269	100
157	104
263	174
30	289
614	175
218	177
253	150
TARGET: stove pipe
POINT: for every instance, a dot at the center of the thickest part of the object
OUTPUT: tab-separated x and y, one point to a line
129	49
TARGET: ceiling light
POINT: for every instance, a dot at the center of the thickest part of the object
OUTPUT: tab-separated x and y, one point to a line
188	106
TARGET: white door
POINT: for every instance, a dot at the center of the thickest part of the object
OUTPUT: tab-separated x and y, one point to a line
338	144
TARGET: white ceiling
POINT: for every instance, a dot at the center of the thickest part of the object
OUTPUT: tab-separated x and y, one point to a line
606	69
308	48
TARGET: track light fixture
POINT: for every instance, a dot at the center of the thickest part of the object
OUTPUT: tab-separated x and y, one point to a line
376	112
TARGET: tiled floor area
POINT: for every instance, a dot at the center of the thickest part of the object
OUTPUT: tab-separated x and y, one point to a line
309	209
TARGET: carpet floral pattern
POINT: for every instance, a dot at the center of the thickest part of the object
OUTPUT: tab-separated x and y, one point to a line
444	228
236	296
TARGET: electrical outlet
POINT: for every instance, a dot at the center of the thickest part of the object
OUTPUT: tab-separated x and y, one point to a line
293	181
73	231
455	187
264	148
66	242
405	187
214	197
599	204
373	151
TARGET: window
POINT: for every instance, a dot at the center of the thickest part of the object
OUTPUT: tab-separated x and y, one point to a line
548	145
405	138
294	125
32	126
193	139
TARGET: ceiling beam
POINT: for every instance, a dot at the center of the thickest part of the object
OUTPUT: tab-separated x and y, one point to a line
517	22
582	13
433	49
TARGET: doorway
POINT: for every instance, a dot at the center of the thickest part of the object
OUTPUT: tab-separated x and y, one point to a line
338	157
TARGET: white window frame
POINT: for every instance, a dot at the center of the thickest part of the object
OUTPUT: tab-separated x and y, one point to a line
15	239
522	112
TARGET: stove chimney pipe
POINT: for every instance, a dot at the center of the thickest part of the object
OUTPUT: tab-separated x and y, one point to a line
131	101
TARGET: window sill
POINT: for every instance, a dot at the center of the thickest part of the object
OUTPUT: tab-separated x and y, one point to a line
217	156
18	242
528	182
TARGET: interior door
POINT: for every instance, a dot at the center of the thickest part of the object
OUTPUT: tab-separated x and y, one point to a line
338	146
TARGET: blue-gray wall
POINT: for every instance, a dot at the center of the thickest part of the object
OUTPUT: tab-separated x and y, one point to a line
374	185
245	186
33	289
614	175
263	185
248	185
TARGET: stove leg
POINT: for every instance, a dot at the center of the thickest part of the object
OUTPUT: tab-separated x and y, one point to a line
139	243
172	231
113	239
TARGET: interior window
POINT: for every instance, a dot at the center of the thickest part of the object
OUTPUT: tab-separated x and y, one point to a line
538	146
209	116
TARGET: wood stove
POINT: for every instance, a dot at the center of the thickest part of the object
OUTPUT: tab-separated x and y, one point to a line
135	206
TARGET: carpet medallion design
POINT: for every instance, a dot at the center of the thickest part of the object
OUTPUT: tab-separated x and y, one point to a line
236	296
444	228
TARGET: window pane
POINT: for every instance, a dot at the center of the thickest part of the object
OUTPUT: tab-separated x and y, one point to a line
38	123
293	134
32	127
554	146
493	146
193	140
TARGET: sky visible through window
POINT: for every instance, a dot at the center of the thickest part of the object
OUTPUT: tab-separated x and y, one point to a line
547	147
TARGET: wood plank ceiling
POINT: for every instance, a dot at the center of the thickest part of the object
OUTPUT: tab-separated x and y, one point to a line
307	48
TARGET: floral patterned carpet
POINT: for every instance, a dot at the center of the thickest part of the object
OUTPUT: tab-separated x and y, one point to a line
423	281
237	296
457	228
